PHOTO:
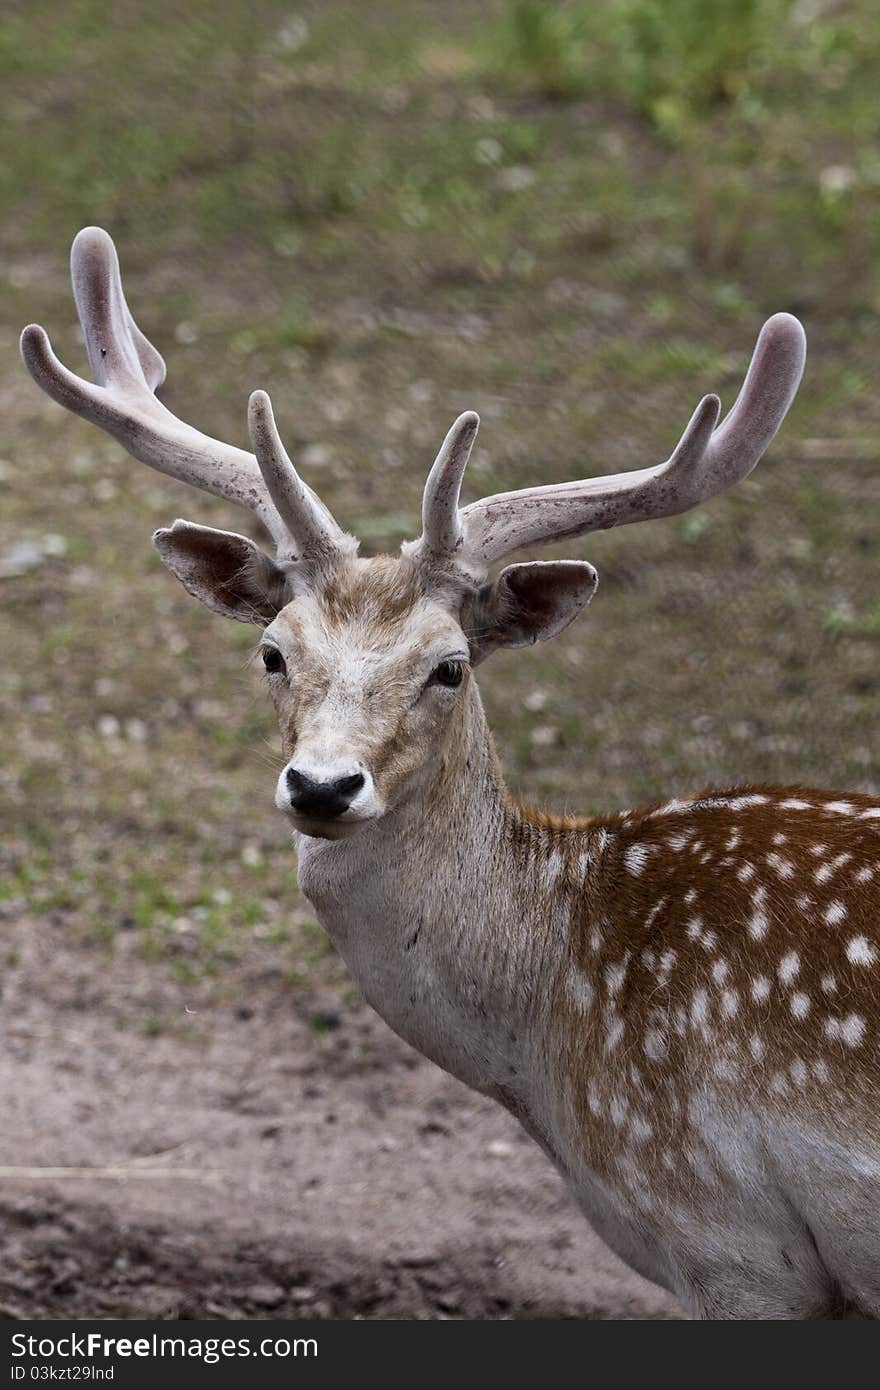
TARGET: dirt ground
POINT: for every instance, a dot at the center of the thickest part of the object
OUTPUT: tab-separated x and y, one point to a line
247	1166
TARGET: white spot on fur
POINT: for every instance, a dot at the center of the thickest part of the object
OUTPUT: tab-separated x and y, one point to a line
726	1069
834	912
779	1083
720	971
678	841
840	808
690	896
593	1099
733	839
864	875
671	807
828	984
873	813
841	859
730	1003
760	989
658	907
794	803
595	940
818	850
616	974
635	858
740	803
849	1030
861	951
800	1004
820	1069
656	1045
783	867
709	941
798	1070
614	1034
640	1129
554	868
618	1110
759	922
695	929
745	872
779	838
789	967
580	990
852	1029
699	1008
804	903
757	1048
667	960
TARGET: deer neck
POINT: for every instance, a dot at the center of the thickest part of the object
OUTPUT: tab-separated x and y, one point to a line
441	913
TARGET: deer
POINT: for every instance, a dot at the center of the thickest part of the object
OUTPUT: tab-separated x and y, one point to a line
679	1003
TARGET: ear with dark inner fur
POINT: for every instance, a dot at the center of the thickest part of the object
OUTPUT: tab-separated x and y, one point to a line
225	571
527	604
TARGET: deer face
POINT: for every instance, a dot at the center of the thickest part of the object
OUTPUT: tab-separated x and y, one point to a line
367	673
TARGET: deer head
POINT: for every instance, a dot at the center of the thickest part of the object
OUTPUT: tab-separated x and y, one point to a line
369	660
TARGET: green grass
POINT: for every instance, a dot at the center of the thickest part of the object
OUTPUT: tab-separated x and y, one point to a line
678	62
282	137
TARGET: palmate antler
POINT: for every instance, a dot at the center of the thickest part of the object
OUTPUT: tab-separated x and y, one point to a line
705	461
128	370
456	541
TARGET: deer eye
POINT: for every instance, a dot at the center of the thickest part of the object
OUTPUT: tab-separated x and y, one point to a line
448	673
273	660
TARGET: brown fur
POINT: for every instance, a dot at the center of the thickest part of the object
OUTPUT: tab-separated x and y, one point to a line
673	962
379	593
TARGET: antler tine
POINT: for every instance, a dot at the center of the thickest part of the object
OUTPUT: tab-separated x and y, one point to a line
706	461
309	522
127	370
441	524
119	353
770	386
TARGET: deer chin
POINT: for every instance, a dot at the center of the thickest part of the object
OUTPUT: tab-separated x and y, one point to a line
327	829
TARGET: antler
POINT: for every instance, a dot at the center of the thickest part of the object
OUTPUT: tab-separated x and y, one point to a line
706	461
128	370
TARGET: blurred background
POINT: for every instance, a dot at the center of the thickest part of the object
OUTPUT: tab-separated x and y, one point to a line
571	217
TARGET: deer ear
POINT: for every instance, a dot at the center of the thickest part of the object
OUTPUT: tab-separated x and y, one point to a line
527	604
225	571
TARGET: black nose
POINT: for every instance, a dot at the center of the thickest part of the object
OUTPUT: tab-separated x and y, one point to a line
322	799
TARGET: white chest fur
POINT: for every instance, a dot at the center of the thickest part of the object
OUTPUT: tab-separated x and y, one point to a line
425	950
